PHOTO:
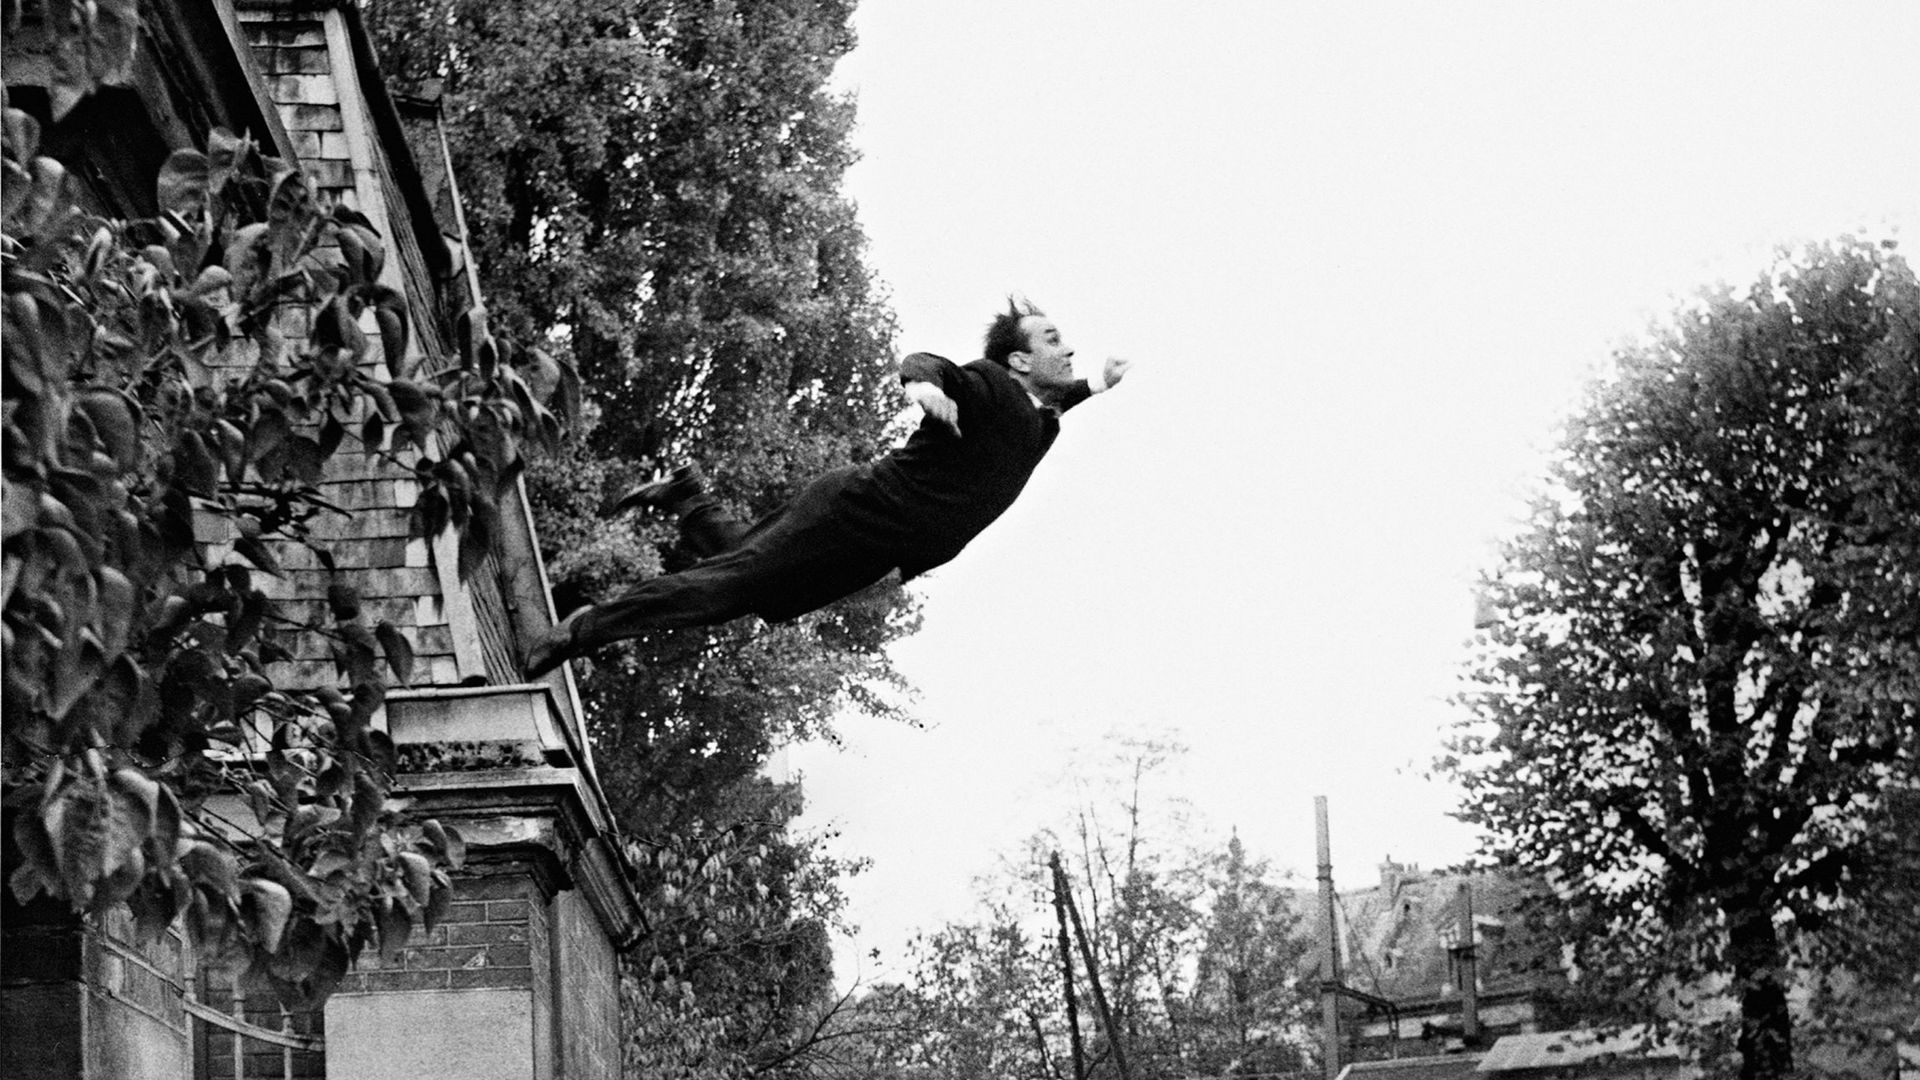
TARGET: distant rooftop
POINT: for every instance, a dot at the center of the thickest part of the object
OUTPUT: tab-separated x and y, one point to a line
1399	938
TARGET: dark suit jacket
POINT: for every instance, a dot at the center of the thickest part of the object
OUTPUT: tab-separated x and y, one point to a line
938	491
913	509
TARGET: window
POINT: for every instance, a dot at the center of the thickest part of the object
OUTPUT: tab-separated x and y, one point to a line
236	1037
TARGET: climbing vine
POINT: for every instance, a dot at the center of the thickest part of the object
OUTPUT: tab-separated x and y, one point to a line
165	439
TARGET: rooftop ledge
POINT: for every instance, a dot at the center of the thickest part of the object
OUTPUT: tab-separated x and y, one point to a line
519	713
489	755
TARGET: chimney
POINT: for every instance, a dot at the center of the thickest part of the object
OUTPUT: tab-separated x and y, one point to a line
1469	972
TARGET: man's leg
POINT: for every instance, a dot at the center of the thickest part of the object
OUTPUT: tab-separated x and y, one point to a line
795	560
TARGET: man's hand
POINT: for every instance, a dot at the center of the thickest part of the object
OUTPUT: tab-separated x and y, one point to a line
935	403
1116	369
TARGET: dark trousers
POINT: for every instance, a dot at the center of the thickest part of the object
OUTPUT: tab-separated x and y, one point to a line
797	559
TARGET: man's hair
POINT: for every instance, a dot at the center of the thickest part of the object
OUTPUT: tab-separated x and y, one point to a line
1004	336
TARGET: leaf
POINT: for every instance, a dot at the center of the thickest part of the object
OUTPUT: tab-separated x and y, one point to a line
336	328
363	252
268	432
195	469
542	374
390	311
15	187
212	867
247	689
211	279
21	134
303	459
248	260
397	649
441	901
50	194
343	601
369	802
446	842
332	434
77	670
290	207
416	407
116	421
142	789
418	874
252	549
356	652
117	606
382	752
395	927
18	508
242	626
39	868
265	907
94	832
477	537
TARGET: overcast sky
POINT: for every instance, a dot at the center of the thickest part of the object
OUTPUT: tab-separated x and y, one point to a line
1364	256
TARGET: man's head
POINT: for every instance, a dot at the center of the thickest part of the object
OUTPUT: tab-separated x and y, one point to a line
1006	334
1023	340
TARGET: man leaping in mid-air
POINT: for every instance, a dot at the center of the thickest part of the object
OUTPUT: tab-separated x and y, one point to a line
987	424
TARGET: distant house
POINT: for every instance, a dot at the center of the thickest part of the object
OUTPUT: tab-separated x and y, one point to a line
1400	944
1545	1055
520	979
1402	948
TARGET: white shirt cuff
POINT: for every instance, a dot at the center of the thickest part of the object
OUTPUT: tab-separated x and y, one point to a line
1097	382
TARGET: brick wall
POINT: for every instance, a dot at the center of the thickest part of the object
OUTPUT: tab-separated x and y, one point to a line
587	988
41	993
89	1000
490	937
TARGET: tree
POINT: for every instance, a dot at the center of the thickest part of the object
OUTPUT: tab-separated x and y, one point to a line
735	978
1699	690
149	759
1246	1006
1194	956
663	180
653	190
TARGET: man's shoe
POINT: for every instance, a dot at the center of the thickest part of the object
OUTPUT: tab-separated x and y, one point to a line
554	647
676	489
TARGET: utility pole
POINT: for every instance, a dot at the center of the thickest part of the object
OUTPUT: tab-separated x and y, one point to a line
1066	969
1469	972
1329	946
1115	1038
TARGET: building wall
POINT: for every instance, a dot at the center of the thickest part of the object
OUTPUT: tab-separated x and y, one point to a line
307	57
408	1036
88	1001
586	988
42	998
470	998
519	980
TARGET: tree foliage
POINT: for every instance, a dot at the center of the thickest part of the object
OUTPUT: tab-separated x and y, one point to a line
1246	1009
1702	684
735	978
656	186
653	189
1197	959
165	441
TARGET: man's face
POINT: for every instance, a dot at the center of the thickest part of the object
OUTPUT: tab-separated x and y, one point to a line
1049	361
